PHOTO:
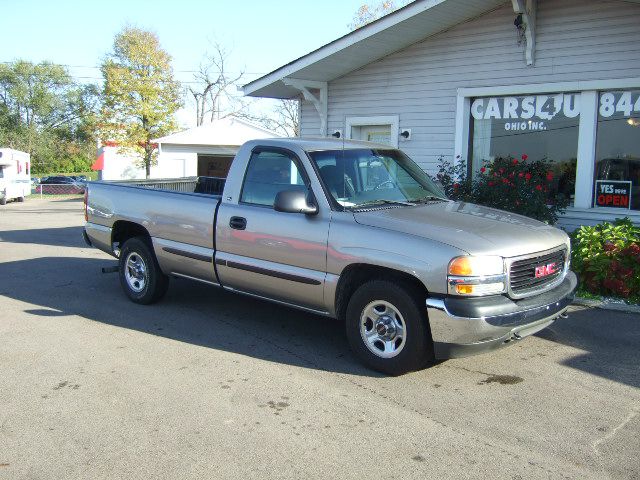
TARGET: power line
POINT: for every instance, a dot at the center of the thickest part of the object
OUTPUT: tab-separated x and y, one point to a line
98	68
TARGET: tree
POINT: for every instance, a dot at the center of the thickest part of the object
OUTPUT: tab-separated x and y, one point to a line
45	113
212	95
370	12
140	95
284	118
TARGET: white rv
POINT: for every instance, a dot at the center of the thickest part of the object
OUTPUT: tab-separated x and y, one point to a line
15	170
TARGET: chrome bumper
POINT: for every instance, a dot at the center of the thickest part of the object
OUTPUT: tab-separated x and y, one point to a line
462	327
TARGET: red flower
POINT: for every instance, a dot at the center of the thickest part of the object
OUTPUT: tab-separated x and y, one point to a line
527	176
549	176
515	161
524	156
491	184
482	170
521	174
504	180
538	187
501	170
456	185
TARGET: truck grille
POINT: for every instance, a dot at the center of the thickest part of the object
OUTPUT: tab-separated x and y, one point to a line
534	273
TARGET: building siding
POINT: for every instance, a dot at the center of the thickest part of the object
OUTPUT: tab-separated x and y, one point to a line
576	40
420	82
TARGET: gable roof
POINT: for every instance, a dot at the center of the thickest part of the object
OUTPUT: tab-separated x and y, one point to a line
391	33
400	29
230	131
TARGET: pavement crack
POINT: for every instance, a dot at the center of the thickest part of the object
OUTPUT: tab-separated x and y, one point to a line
634	413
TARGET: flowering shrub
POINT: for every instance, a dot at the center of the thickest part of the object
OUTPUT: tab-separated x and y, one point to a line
607	258
520	186
516	185
453	179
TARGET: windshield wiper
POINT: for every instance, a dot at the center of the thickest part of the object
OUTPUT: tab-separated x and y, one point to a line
384	202
428	198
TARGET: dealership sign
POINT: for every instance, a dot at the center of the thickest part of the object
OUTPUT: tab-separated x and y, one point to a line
526	113
613	194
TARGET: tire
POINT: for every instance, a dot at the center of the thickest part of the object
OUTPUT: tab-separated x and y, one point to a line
140	275
21	199
387	327
3	201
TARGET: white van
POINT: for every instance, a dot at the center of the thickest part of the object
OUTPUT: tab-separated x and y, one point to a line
15	170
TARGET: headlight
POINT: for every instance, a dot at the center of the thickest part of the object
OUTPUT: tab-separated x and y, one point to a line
476	276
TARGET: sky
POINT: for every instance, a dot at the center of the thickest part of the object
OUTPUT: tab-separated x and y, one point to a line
260	36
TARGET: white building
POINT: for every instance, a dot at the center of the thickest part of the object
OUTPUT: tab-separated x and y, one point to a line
206	150
550	78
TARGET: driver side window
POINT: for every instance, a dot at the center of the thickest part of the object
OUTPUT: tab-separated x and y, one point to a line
267	174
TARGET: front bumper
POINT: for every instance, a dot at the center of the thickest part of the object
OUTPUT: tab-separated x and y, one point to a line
467	326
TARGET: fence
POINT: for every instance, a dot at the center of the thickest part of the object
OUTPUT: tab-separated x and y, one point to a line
187	184
205	185
50	189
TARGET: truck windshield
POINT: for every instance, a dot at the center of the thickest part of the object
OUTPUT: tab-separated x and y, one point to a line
358	178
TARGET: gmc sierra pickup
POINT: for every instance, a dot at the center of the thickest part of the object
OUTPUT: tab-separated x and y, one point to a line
345	229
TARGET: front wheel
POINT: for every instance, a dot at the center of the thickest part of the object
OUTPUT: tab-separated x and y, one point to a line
3	201
387	327
140	275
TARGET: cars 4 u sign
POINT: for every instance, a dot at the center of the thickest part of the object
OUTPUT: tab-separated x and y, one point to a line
613	194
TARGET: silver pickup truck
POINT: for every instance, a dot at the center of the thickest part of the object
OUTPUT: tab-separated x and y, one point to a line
350	230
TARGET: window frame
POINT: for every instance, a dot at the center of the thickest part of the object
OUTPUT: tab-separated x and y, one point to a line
587	126
392	120
283	151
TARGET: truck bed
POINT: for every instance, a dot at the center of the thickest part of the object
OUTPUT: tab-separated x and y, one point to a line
184	248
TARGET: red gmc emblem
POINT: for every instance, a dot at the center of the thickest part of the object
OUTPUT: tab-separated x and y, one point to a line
548	269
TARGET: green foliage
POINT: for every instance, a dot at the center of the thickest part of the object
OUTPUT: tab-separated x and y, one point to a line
454	180
43	112
607	258
140	94
515	185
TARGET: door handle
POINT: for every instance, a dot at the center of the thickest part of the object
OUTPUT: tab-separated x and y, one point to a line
238	223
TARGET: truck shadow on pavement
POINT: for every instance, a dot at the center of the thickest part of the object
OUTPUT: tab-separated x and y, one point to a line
57	237
56	287
609	342
190	312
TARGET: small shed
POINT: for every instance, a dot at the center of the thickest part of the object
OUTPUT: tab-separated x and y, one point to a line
206	150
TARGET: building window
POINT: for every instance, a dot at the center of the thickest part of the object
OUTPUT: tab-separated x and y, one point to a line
617	169
540	126
379	129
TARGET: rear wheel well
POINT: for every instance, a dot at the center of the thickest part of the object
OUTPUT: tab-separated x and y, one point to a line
358	274
123	231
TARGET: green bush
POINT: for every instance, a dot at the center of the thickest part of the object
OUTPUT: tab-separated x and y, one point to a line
515	185
607	259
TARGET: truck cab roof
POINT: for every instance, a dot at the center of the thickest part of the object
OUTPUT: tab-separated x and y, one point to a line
312	144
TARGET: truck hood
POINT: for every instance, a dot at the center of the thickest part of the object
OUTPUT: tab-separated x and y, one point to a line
475	229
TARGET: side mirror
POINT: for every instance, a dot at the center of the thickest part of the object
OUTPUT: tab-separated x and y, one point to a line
295	201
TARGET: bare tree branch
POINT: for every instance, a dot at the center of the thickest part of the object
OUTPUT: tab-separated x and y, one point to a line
212	95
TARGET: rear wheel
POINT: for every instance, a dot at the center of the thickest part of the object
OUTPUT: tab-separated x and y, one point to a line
388	328
3	201
21	199
140	275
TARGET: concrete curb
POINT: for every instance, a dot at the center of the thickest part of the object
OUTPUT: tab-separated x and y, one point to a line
607	304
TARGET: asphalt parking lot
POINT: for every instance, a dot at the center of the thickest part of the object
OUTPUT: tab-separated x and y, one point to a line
207	384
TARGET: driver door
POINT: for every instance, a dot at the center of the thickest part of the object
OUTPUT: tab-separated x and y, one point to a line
267	253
